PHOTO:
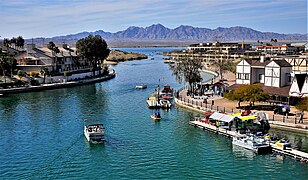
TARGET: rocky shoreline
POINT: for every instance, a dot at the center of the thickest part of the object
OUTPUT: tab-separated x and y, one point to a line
118	56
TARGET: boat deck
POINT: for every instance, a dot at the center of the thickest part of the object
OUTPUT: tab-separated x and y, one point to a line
296	154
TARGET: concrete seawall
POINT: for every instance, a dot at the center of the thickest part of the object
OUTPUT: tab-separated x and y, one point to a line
57	85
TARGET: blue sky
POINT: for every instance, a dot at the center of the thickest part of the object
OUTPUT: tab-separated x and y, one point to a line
40	18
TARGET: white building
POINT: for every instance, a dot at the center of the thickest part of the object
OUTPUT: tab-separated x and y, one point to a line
299	87
277	73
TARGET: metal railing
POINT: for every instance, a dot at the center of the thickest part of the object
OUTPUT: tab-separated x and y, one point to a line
210	106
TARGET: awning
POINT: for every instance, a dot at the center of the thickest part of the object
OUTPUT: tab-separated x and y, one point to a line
222	117
245	118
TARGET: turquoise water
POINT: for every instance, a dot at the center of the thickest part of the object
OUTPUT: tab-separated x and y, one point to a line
42	135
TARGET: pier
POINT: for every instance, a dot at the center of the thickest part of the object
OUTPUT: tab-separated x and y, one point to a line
290	152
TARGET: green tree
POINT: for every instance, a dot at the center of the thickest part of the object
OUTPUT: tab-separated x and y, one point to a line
20	42
303	104
247	92
6	42
94	49
188	69
11	63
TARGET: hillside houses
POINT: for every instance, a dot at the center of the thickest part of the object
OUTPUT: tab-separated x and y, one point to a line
34	58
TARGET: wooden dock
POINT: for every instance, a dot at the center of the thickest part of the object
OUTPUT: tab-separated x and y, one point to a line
293	153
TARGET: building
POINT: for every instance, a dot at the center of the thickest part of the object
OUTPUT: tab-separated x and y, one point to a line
299	62
274	76
275	73
282	49
299	87
34	58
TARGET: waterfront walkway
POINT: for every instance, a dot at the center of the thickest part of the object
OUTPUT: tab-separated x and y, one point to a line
218	103
42	87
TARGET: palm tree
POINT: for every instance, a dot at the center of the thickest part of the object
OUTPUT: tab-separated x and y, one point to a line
55	50
44	72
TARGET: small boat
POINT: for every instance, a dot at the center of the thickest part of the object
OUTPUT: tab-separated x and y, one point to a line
94	133
257	145
156	117
167	91
141	86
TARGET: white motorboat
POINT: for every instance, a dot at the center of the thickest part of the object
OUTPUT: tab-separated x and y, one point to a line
141	86
153	102
258	145
94	133
165	103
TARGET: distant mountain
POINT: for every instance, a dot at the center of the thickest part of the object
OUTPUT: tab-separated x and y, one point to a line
182	33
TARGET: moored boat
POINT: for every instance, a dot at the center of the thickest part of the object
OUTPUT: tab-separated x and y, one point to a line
94	133
153	102
165	103
258	145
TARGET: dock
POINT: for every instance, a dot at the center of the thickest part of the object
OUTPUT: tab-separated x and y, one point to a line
290	152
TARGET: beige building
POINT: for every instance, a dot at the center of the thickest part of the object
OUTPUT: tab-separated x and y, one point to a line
34	58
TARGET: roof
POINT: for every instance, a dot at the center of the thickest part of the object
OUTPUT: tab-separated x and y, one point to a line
222	117
274	91
282	63
256	62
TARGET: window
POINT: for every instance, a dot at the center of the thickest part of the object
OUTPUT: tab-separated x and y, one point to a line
238	76
288	77
246	76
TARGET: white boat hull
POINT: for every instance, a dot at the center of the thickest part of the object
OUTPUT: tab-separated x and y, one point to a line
94	133
251	144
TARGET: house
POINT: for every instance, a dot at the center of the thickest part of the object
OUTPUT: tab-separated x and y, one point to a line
250	71
34	58
275	73
299	87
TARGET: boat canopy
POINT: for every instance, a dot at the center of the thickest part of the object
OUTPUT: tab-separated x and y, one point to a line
246	118
222	117
236	114
152	98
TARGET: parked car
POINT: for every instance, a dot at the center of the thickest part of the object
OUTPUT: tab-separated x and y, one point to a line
282	109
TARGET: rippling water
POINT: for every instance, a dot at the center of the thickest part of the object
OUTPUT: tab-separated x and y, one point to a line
42	135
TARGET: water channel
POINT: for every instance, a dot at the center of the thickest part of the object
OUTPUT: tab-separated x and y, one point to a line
42	135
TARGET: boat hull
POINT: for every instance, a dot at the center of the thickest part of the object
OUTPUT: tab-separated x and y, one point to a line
247	144
94	135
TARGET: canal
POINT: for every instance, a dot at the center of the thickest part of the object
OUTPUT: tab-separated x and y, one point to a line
42	134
